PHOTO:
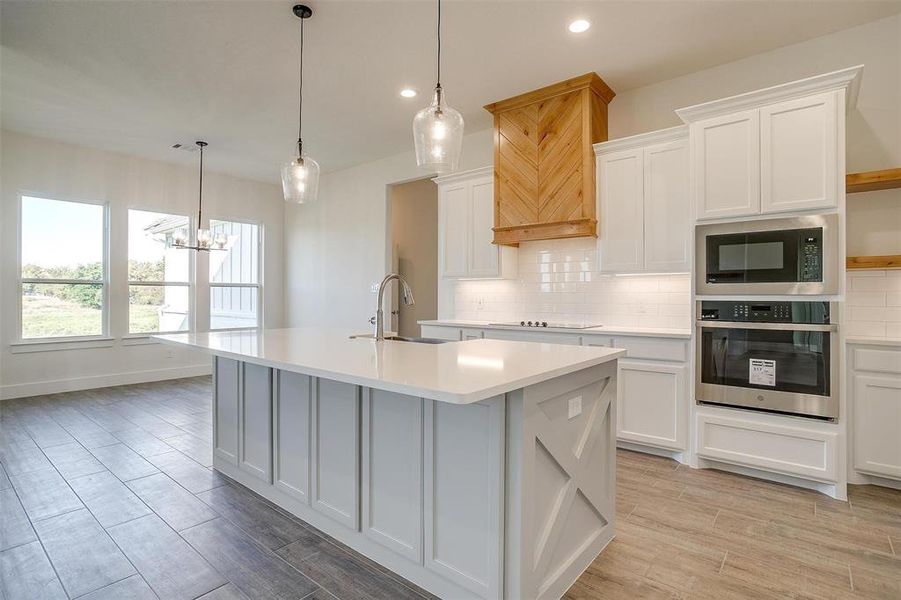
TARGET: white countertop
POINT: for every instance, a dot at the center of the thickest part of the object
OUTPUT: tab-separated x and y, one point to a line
455	372
659	332
873	341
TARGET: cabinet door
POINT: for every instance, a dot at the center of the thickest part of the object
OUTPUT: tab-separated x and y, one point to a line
471	334
798	151
256	422
292	434
652	404
225	419
454	202
877	421
483	255
392	471
726	165
667	208
621	211
336	450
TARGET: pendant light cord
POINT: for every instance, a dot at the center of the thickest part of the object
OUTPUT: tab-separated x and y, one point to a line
200	193
300	104
439	45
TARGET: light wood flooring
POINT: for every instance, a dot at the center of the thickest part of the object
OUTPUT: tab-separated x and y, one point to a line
109	494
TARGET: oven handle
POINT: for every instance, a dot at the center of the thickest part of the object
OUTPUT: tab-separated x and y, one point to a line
782	326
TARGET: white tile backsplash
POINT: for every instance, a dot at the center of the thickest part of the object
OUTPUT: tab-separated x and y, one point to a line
558	281
873	304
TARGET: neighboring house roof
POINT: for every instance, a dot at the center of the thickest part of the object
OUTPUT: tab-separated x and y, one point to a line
167	224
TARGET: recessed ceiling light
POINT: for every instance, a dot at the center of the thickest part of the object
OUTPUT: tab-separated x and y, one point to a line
408	93
579	26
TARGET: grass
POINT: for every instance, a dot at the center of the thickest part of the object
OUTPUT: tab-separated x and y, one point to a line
46	317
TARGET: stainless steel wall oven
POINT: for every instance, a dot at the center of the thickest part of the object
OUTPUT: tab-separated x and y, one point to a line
771	356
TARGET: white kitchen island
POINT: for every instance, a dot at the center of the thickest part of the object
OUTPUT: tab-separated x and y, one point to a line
475	469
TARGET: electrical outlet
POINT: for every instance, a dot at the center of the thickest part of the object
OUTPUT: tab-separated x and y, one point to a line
480	304
374	288
575	407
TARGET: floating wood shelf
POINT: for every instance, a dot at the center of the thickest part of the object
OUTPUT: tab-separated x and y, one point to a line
870	181
874	262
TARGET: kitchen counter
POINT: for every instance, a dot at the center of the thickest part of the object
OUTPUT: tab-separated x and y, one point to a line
450	464
455	372
659	332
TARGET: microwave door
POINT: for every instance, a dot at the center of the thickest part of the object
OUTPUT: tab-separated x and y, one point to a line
760	257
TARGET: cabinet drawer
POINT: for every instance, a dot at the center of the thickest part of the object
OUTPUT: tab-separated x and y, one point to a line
881	361
653	348
794	451
597	340
441	333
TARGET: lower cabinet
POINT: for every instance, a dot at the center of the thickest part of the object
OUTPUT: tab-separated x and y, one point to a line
876	410
652	404
226	386
532	336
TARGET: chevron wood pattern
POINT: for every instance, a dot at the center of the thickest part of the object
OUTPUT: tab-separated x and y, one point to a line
544	162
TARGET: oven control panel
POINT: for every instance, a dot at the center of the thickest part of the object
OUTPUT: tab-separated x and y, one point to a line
765	312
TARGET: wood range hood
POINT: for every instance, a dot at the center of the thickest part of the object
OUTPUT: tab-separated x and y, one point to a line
544	163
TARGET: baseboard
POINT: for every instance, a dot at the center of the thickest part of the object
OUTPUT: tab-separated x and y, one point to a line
39	388
676	455
833	490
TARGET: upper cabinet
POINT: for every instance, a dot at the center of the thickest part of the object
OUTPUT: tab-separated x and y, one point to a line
465	218
776	150
644	204
544	176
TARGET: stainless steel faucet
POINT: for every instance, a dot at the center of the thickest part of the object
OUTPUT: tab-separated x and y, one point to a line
406	294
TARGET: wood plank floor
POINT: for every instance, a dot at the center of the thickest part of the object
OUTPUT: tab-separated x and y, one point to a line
108	494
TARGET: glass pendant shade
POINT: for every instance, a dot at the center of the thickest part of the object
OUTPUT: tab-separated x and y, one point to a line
438	136
300	180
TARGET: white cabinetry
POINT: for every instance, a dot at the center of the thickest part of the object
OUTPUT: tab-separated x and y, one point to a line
652	393
876	405
465	234
726	161
780	149
644	203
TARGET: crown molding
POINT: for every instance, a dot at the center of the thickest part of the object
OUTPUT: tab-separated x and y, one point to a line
660	136
489	170
847	79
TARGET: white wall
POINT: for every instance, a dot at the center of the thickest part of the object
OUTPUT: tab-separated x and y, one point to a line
57	170
335	249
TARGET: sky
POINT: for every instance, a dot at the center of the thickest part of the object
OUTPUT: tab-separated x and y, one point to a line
60	233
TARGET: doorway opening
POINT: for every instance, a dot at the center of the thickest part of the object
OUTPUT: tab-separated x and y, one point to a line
413	248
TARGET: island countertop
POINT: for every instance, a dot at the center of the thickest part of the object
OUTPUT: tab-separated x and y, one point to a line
455	372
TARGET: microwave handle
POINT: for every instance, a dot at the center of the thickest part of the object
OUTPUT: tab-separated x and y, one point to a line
783	326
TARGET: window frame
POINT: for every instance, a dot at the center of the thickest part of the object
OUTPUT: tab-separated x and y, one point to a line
104	282
190	284
258	285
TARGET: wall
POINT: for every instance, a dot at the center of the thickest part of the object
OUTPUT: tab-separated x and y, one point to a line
336	248
558	280
873	305
57	170
414	235
349	222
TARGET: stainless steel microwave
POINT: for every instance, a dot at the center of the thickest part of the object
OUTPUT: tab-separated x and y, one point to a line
796	255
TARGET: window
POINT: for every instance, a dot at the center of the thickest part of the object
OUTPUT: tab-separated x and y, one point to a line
159	276
62	269
235	288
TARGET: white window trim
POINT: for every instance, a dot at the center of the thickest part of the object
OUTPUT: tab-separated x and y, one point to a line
19	343
258	285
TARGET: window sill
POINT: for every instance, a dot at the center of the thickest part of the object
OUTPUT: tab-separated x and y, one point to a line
56	345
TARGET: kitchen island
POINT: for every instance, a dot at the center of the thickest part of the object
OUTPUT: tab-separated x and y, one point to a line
475	469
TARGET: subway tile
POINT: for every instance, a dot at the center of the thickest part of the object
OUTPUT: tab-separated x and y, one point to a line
866	298
865	328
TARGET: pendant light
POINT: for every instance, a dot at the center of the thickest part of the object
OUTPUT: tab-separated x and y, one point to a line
204	240
438	128
300	176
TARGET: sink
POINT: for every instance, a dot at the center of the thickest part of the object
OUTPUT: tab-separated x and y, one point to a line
401	338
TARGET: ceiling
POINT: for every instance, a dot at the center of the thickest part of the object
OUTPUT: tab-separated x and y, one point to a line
136	77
